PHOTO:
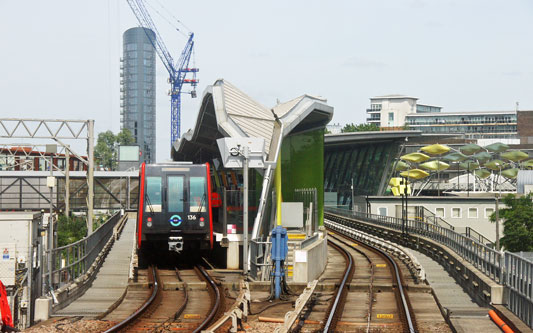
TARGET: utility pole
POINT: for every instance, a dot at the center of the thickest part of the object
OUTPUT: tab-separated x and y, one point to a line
497	222
245	213
90	176
67	181
353	203
50	182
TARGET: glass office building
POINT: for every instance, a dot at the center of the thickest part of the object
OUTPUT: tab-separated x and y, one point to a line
475	125
138	90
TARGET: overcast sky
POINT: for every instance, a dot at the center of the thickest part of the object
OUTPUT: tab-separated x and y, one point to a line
60	59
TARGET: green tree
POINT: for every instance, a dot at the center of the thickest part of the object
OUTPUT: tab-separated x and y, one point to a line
70	229
106	149
359	128
517	223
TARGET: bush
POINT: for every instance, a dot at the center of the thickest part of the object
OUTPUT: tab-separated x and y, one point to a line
70	229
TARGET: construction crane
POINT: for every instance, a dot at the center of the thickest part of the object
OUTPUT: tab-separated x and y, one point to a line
177	70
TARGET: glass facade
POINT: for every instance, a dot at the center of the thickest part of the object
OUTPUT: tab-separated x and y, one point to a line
365	165
138	87
298	152
488	125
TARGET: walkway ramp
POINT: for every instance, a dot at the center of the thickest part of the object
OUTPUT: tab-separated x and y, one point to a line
111	280
464	313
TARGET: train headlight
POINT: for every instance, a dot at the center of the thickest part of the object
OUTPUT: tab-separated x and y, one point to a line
149	222
202	221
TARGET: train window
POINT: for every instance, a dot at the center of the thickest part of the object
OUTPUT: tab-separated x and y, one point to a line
153	193
175	193
198	199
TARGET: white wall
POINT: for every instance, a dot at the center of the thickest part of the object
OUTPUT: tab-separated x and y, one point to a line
399	106
479	223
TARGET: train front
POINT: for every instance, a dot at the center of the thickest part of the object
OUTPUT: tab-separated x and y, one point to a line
174	207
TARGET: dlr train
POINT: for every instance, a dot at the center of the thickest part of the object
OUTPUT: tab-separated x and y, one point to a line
175	208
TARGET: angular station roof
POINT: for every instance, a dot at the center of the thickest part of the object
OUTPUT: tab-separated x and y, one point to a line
226	111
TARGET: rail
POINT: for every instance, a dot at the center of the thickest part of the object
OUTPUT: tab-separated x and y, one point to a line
71	261
401	295
217	301
338	303
237	313
131	318
508	269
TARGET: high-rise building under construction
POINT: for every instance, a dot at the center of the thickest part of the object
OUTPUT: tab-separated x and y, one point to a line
138	90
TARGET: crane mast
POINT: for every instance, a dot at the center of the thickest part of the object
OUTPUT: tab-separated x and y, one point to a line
177	71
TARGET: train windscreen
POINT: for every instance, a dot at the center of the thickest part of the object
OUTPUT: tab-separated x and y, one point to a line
198	201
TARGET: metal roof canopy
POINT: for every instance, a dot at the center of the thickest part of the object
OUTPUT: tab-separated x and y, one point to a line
226	111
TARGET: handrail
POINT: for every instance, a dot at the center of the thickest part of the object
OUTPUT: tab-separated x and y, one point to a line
80	255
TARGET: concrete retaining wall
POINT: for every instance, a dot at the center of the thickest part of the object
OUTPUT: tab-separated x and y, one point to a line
310	262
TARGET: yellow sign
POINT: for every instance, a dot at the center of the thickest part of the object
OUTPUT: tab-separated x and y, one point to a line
385	316
381	265
191	316
355	244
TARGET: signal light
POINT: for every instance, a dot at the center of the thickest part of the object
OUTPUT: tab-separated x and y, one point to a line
201	219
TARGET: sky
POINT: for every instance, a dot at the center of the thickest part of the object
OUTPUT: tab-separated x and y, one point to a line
60	58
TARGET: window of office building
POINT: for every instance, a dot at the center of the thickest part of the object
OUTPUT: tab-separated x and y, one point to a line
148	46
132	55
382	211
131	47
391	116
439	212
472	213
488	212
456	212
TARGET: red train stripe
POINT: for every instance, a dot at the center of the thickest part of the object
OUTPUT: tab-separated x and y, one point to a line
209	205
141	205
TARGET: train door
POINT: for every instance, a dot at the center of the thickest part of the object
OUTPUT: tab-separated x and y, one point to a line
175	212
176	209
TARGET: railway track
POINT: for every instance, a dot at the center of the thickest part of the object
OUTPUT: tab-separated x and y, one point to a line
383	270
370	295
174	307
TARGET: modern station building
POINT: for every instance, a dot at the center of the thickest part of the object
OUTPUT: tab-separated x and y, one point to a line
138	90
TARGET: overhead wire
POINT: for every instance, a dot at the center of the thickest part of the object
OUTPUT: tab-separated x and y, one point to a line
174	17
167	20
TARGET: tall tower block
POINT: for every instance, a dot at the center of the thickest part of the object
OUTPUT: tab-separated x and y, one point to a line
138	90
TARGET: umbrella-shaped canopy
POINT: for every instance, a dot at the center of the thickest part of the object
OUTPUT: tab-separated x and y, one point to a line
455	157
528	164
495	165
470	149
510	173
515	155
497	147
435	165
482	157
435	149
469	165
414	174
482	173
397	181
415	157
401	166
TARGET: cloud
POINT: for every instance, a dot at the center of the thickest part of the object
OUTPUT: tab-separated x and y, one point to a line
363	63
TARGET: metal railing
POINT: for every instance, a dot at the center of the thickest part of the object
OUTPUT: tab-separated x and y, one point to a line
471	233
518	278
511	270
71	261
308	196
